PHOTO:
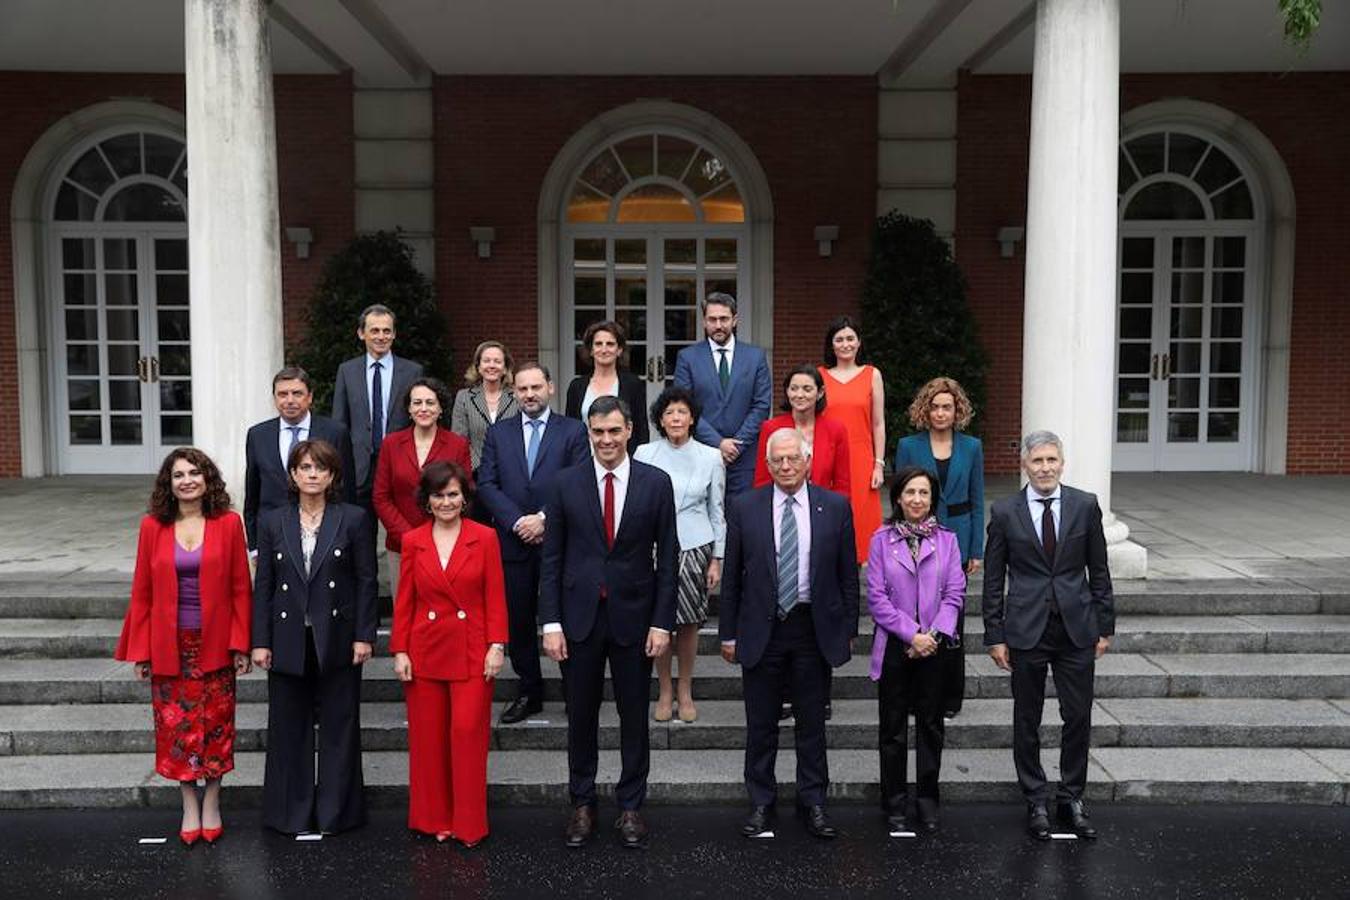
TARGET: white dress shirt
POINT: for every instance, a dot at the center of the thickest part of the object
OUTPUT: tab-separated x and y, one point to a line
717	349
802	513
1037	508
284	438
386	384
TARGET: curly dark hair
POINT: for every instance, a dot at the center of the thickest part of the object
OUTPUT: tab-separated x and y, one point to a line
923	399
811	372
325	456
437	475
675	394
437	387
164	505
837	325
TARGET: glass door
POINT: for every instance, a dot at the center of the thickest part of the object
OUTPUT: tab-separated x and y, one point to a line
123	374
1183	367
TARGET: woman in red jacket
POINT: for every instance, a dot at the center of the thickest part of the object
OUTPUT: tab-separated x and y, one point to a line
449	641
403	455
187	629
803	402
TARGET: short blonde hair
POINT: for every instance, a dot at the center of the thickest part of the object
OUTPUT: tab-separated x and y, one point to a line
471	376
918	410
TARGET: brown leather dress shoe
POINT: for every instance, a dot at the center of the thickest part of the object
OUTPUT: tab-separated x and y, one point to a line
633	831
581	826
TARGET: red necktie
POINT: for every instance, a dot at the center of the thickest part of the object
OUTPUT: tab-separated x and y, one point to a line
609	510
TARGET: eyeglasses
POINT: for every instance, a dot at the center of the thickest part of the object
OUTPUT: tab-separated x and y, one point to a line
780	461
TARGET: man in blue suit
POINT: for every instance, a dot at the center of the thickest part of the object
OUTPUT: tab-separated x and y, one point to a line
268	444
521	459
607	594
730	380
789	612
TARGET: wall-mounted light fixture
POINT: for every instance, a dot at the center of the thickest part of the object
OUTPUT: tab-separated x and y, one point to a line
301	238
1009	236
826	235
483	236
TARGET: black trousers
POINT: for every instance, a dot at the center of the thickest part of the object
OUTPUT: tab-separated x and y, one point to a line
793	657
292	801
954	669
1072	668
910	687
630	671
522	607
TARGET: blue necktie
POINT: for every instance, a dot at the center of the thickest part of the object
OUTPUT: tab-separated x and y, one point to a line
376	407
295	439
787	559
532	451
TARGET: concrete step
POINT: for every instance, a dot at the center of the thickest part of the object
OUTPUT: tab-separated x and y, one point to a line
37	730
1293	676
73	638
523	777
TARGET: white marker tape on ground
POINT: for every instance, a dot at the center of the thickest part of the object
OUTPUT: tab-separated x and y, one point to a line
534	721
903	834
309	837
764	834
152	840
1063	836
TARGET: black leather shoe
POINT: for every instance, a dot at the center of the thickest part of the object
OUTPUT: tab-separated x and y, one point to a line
581	826
829	711
521	709
928	814
1074	814
633	832
759	821
1038	821
818	823
897	821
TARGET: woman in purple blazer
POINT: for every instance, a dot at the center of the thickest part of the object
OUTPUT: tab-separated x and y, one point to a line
915	588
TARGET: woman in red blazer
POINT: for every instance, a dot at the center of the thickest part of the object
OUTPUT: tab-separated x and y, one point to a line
403	455
187	629
804	400
449	641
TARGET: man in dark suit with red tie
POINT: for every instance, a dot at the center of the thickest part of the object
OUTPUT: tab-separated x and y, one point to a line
789	612
1048	603
607	594
522	456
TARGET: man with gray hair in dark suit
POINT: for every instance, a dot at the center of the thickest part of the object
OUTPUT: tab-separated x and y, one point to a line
1048	604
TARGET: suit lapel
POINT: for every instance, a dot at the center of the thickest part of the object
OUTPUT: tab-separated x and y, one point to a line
290	530
818	532
635	477
710	360
459	554
1024	516
358	390
953	468
328	529
765	511
271	434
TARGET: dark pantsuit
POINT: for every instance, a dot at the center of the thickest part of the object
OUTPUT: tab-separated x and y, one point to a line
292	803
522	607
1072	668
792	656
954	669
630	672
910	687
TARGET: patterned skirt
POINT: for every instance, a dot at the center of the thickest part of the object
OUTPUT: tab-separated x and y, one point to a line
691	602
194	716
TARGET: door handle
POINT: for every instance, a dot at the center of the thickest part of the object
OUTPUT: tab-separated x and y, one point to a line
660	369
1153	368
651	369
154	369
1166	366
143	369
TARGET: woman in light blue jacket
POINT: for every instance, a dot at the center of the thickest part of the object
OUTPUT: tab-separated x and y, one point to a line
699	480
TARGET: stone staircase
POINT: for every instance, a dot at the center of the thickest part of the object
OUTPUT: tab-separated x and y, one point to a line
1213	692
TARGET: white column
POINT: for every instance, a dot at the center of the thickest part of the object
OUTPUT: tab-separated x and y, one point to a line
1069	319
233	232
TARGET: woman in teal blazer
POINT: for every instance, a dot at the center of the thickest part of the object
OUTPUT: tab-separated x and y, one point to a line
941	410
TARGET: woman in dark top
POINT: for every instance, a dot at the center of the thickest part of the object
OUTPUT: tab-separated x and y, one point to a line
604	344
187	629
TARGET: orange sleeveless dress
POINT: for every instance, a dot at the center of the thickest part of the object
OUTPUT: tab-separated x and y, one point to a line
850	404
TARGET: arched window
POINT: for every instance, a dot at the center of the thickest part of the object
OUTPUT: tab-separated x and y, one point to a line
655	178
119	303
1171	175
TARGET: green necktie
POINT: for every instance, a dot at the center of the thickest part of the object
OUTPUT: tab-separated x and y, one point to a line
723	370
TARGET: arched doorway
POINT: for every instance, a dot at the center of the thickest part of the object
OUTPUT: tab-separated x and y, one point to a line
1190	302
120	380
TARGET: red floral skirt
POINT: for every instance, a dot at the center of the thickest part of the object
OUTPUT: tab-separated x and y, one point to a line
194	716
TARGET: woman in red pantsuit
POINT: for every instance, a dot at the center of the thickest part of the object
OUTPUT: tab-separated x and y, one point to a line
402	456
449	641
187	629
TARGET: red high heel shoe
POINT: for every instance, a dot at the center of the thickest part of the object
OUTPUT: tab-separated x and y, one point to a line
211	835
189	837
443	836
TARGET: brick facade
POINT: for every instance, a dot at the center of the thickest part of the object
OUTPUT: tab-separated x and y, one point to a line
1294	111
497	136
315	174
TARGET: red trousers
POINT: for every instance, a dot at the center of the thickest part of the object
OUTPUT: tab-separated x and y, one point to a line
449	725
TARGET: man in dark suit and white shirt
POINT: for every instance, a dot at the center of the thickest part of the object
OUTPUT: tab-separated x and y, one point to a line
1048	603
268	445
730	380
789	612
522	456
369	394
607	594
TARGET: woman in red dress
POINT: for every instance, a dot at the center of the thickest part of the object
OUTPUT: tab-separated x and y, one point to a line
187	629
804	401
449	641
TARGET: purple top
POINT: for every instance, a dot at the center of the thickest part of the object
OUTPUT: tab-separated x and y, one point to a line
905	596
188	563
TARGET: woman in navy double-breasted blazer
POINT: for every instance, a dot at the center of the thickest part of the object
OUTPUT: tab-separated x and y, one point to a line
942	410
314	621
449	643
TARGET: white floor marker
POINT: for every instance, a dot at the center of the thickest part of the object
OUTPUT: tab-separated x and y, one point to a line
158	840
764	834
1063	836
309	837
903	834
